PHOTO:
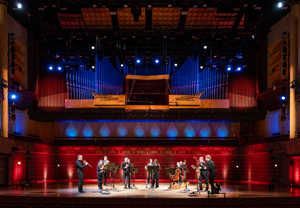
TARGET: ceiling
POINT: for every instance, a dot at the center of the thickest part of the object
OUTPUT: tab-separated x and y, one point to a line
147	27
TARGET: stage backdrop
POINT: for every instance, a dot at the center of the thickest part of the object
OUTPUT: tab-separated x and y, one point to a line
50	164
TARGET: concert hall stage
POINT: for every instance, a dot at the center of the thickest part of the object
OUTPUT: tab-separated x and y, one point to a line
66	195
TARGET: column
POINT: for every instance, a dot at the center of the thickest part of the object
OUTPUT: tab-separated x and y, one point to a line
4	65
293	68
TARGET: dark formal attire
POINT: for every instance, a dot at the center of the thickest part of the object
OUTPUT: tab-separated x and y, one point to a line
79	166
100	174
155	176
126	173
105	171
203	175
212	174
149	172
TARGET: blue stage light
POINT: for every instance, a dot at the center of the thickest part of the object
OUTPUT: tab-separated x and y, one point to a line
50	68
19	5
138	61
59	68
122	65
283	98
279	4
175	64
13	96
239	68
156	61
228	68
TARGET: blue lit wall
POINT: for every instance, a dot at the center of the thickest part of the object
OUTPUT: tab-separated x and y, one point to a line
144	128
275	126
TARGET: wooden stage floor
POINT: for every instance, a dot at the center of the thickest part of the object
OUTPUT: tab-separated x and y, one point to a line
66	195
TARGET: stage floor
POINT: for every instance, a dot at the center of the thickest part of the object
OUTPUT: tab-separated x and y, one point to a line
91	190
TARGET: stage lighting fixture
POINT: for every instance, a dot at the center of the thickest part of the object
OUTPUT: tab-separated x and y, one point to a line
59	68
122	65
93	47
50	68
201	67
156	61
228	68
239	68
58	165
283	98
237	166
205	47
19	163
93	67
19	5
138	61
275	165
279	4
13	96
175	64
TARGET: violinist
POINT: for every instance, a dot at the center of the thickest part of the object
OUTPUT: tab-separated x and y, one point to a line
148	168
155	174
100	174
80	164
106	162
203	173
126	172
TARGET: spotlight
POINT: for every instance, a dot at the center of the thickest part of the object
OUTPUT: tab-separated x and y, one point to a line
13	96
122	65
283	98
19	5
205	47
201	67
50	68
239	68
275	165
237	166
93	67
138	61
156	61
253	37
59	68
58	165
19	163
175	64
93	47
279	4
228	68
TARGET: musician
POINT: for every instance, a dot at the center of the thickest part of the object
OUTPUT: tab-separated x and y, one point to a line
203	173
126	172
105	162
149	170
80	164
155	174
212	171
184	169
100	173
180	175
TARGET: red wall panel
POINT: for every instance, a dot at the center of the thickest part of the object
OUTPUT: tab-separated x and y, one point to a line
294	170
253	161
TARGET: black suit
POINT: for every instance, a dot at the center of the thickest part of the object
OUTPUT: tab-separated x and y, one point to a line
79	167
126	173
155	176
212	174
100	174
203	175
